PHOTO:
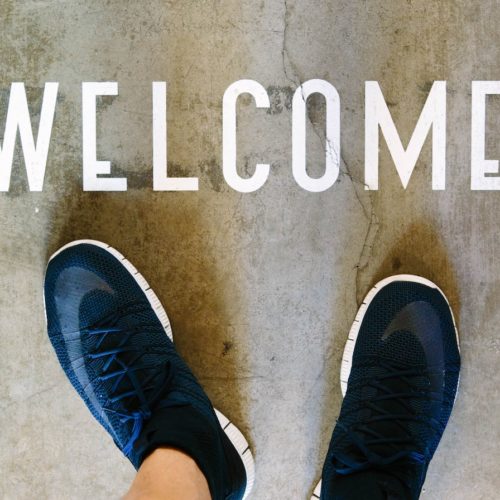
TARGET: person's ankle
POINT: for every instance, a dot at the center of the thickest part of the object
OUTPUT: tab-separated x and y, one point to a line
168	473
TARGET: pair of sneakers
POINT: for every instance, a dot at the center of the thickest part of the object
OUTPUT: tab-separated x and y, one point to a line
399	377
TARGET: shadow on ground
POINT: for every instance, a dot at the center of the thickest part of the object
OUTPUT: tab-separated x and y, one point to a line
420	251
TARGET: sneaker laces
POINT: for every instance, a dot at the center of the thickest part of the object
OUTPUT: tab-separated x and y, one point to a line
123	363
364	436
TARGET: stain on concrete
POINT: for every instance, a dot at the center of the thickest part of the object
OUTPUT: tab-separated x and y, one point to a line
212	169
27	45
227	346
280	98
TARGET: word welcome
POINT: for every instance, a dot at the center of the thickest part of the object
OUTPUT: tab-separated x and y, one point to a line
377	120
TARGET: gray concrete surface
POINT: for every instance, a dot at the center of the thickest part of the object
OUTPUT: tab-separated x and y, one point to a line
261	288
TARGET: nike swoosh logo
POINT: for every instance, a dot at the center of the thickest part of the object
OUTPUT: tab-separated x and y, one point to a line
421	320
70	289
72	285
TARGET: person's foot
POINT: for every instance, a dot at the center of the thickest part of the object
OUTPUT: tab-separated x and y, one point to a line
399	375
114	342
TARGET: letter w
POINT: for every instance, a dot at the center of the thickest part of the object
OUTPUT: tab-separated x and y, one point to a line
18	117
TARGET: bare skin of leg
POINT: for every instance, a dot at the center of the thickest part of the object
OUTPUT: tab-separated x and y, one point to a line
169	474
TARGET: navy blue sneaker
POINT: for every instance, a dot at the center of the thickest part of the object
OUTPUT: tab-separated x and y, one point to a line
114	342
399	376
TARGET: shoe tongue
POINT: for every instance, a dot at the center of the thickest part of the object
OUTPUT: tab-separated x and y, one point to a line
371	484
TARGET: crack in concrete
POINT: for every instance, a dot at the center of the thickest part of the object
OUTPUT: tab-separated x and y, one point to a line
284	50
368	212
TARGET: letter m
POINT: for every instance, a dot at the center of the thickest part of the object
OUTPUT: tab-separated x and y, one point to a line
433	115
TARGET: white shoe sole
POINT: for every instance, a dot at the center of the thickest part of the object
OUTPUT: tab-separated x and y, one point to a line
346	365
232	432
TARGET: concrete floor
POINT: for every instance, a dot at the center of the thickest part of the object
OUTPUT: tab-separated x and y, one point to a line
261	288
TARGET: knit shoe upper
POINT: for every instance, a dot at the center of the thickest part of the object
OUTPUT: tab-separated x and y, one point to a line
112	339
400	393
